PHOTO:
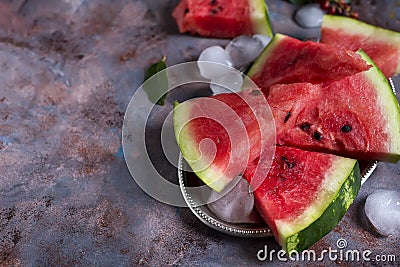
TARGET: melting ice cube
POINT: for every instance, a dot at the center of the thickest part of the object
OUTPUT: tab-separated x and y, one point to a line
228	83
215	54
382	209
243	50
263	38
234	206
309	16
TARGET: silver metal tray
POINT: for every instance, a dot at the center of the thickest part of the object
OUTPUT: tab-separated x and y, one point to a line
256	229
259	229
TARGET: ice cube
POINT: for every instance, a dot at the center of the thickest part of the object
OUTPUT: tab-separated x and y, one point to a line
263	38
309	16
228	83
214	54
235	205
243	50
382	209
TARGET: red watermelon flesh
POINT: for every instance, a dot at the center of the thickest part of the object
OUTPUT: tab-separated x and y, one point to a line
222	18
298	198
312	118
385	55
357	117
285	192
381	45
288	60
219	135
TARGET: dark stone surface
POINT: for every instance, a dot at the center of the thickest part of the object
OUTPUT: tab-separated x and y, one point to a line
67	71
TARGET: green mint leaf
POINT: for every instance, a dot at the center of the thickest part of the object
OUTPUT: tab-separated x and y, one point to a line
156	88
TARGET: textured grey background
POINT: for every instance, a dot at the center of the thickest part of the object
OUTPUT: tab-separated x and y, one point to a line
67	71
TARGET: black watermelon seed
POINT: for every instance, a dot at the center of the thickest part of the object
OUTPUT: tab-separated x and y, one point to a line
214	11
287	117
305	126
186	10
213	2
346	129
287	162
317	136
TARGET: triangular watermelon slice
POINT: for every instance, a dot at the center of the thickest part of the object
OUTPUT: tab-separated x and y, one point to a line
288	60
223	18
356	117
219	135
305	194
382	45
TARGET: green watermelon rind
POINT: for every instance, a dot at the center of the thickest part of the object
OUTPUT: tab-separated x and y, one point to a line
268	50
388	105
209	174
340	187
359	28
259	17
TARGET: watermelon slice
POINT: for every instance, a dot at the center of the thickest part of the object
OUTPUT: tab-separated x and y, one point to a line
305	195
223	18
382	45
357	117
219	135
306	62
